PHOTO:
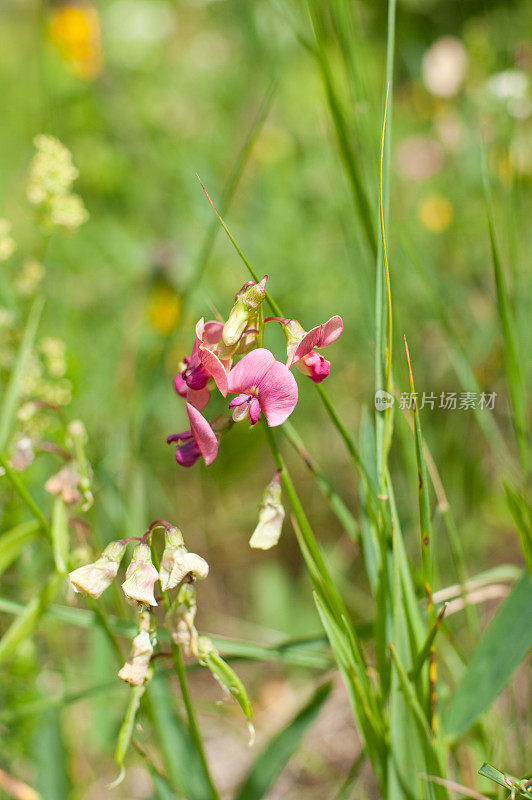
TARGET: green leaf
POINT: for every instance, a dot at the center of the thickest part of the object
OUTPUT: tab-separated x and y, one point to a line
126	729
25	624
522	514
11	395
182	765
269	764
50	757
60	539
499	653
229	680
14	541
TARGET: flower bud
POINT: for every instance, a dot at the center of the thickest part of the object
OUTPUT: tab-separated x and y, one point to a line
271	516
141	576
135	669
93	579
243	311
177	562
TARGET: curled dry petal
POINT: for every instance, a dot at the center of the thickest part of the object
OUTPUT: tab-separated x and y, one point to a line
135	669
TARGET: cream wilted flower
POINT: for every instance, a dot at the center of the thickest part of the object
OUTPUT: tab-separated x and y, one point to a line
136	667
180	620
177	562
141	576
271	516
65	484
93	579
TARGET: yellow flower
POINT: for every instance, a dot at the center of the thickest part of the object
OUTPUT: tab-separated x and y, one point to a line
74	29
436	213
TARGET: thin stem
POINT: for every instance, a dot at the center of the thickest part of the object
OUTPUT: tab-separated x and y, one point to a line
25	495
193	725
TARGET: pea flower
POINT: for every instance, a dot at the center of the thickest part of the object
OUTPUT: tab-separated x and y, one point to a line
262	384
180	618
199	440
301	345
177	562
202	364
247	302
136	667
141	576
93	579
271	516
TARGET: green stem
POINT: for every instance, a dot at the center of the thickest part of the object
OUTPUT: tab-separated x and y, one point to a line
192	722
25	495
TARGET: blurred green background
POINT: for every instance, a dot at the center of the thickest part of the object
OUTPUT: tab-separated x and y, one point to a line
147	93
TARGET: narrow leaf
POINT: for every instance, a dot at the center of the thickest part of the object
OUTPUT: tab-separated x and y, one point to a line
499	653
25	624
268	766
13	542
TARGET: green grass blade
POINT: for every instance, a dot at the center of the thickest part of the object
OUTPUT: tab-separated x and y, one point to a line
522	514
11	396
25	624
499	653
182	764
60	537
270	763
12	542
511	356
50	757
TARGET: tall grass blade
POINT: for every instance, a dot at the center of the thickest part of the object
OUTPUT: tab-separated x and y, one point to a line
269	764
11	395
25	624
12	542
522	514
499	653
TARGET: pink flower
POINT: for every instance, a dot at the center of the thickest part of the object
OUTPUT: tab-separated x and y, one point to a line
202	364
199	440
263	384
301	346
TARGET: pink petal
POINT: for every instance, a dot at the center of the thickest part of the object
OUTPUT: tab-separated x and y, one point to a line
180	385
203	433
239	400
277	393
210	360
198	398
250	371
320	336
212	331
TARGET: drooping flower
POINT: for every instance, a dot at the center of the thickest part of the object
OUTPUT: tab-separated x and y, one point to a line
262	384
271	516
135	669
141	576
177	562
301	345
93	579
180	618
199	440
247	302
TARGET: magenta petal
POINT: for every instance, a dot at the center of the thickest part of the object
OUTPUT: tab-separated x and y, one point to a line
179	437
239	400
180	385
250	371
320	336
187	454
277	393
203	433
315	366
254	410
